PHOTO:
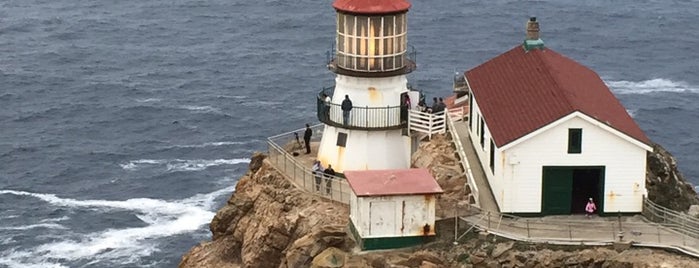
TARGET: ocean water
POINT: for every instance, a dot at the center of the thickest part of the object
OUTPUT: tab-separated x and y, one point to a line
124	125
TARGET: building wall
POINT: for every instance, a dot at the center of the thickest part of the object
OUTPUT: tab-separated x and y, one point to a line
624	162
393	216
495	179
366	150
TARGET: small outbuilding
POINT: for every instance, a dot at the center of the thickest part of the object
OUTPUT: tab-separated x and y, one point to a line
392	208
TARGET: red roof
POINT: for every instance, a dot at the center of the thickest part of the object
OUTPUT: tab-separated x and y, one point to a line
412	181
521	91
371	6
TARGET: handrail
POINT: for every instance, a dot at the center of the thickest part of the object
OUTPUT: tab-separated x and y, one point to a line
330	187
464	161
362	118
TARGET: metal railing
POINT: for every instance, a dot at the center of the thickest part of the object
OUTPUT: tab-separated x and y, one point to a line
680	222
280	150
462	154
409	61
566	231
362	118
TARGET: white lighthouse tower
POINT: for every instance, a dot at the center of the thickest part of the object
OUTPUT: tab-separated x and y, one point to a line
371	63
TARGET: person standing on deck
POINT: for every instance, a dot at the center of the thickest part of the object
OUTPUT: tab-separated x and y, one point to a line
307	138
590	208
346	108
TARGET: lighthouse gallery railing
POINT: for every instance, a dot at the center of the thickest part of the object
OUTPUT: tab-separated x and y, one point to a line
361	118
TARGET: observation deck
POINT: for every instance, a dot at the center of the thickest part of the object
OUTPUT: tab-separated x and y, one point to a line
360	117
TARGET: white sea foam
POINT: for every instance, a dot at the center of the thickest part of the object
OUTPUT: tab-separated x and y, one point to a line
181	164
33	226
126	245
205	109
650	86
148	100
211	144
632	113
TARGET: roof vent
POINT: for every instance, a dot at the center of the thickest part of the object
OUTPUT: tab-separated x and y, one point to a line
533	41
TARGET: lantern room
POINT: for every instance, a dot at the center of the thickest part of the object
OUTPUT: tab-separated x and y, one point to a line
371	36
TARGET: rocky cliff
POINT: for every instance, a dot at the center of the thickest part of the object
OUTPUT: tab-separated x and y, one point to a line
268	222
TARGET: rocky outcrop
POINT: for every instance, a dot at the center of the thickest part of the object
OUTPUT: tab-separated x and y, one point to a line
665	184
268	222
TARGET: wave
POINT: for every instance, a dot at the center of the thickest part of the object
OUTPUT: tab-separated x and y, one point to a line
182	165
650	86
127	245
148	100
205	109
211	144
33	226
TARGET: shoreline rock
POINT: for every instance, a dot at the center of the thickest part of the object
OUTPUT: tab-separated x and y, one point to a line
268	222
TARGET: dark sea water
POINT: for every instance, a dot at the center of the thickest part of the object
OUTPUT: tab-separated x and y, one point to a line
125	124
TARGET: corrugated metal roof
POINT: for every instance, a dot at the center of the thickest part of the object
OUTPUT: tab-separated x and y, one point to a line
412	181
521	91
371	6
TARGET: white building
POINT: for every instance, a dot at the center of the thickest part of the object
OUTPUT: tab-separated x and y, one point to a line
371	62
392	208
549	134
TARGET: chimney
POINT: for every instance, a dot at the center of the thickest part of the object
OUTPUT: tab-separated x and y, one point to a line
532	29
533	41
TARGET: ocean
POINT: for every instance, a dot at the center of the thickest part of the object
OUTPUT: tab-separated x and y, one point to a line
124	125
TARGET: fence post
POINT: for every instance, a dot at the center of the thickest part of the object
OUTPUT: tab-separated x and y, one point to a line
658	233
613	233
528	232
570	232
488	220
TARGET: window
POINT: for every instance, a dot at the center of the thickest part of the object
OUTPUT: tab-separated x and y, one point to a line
341	139
574	140
492	156
482	134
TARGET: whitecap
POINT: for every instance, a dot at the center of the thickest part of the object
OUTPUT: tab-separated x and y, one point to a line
205	109
181	164
631	113
211	144
34	226
200	164
148	100
127	245
650	86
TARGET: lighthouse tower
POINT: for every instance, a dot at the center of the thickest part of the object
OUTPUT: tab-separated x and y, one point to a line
371	63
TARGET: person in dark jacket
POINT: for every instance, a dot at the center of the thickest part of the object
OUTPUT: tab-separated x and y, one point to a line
307	138
346	108
329	174
435	106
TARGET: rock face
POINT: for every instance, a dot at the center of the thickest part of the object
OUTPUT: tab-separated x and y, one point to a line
665	184
270	223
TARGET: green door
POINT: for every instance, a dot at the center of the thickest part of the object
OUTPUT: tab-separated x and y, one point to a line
557	190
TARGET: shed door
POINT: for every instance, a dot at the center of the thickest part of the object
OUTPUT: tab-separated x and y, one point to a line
382	217
557	190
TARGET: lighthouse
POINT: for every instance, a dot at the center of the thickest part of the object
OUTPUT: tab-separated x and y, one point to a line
365	114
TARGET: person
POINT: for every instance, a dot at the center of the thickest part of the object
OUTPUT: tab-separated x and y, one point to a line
329	174
441	106
435	106
326	108
590	208
307	138
346	108
421	105
317	170
407	102
405	106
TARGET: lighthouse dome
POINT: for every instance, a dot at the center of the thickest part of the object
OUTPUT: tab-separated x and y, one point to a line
371	6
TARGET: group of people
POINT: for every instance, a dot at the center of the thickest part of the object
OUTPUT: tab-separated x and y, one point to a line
321	173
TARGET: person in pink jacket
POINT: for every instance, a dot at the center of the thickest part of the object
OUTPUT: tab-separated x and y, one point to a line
590	208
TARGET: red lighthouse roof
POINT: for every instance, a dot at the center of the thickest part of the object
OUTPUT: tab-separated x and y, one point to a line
371	6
